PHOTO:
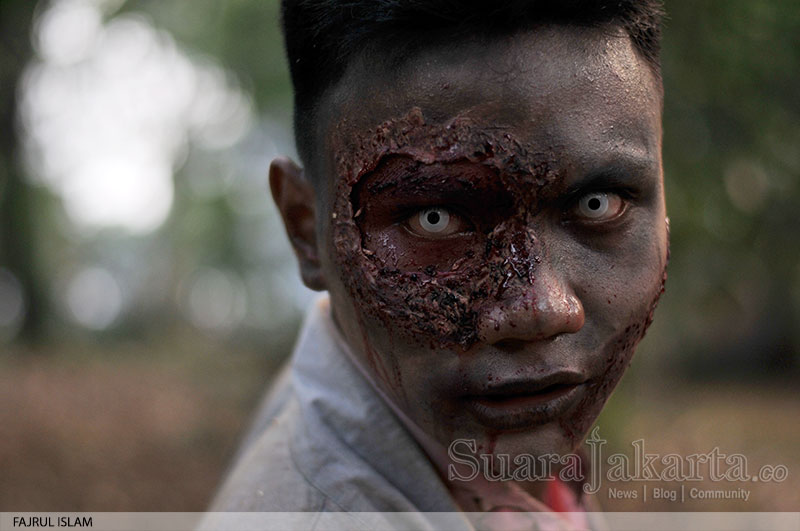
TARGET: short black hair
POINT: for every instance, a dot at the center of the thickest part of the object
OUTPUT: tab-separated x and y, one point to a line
323	36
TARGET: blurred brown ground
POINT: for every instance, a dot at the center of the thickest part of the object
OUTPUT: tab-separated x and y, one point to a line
758	421
141	432
153	429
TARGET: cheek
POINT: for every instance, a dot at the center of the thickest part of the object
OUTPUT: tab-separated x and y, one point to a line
403	291
622	274
397	249
617	354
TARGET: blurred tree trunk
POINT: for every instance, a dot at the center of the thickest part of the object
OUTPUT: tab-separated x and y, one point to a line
16	201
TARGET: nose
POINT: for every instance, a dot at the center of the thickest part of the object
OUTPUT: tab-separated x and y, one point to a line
542	309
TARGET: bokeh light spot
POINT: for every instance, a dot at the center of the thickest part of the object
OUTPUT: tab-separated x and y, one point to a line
94	298
215	300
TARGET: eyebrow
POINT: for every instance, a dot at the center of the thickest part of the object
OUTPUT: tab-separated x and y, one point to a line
455	175
622	171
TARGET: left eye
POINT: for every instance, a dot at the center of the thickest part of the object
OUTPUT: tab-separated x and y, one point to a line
436	222
598	206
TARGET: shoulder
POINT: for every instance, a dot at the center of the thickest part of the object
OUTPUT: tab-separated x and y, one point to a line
265	477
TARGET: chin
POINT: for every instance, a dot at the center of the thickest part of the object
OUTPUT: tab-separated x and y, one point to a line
548	439
535	454
543	440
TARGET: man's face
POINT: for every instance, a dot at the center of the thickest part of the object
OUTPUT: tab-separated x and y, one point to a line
492	230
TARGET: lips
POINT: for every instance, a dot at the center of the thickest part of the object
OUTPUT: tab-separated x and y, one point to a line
524	403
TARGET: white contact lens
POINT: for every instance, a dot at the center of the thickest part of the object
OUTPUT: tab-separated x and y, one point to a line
434	219
594	205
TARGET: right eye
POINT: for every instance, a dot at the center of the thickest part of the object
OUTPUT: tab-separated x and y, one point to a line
598	207
436	222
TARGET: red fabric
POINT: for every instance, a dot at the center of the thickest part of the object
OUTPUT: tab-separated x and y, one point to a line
560	497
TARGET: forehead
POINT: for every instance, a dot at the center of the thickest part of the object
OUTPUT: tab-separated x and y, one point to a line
583	94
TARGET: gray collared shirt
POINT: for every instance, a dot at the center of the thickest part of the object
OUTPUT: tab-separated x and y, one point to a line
325	442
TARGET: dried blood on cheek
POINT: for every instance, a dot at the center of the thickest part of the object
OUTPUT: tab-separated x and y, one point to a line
441	307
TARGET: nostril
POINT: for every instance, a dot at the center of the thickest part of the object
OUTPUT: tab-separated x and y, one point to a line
510	344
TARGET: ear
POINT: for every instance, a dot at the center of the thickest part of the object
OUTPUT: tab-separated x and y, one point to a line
294	196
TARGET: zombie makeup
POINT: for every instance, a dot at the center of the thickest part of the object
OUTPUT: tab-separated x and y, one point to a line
436	227
488	187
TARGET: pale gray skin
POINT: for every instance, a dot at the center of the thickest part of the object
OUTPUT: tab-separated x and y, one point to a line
586	97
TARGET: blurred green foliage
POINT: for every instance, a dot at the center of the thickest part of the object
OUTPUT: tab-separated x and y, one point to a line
243	35
16	202
731	157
